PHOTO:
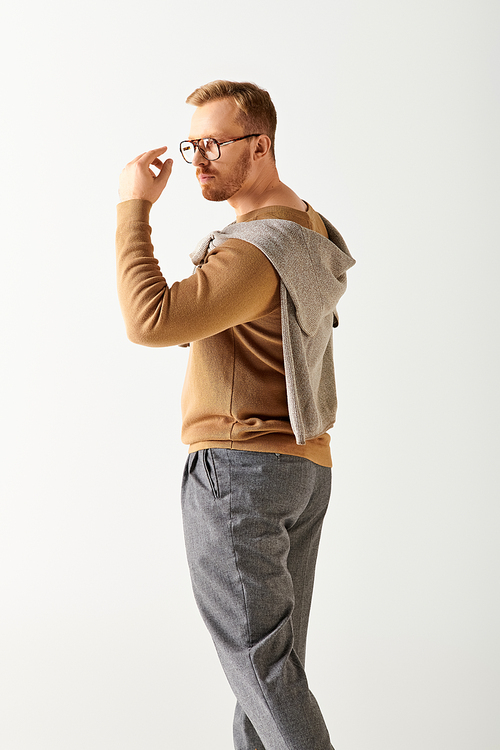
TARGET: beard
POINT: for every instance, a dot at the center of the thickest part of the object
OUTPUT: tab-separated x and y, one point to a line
230	185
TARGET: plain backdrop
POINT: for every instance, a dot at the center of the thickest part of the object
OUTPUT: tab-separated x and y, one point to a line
388	124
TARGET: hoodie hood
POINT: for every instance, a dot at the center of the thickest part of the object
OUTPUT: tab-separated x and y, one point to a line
312	271
312	267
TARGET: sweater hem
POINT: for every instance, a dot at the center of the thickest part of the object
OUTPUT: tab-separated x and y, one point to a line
317	451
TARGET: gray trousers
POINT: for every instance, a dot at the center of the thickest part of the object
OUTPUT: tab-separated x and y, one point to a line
252	524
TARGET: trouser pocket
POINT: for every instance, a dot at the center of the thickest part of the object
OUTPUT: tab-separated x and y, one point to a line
210	471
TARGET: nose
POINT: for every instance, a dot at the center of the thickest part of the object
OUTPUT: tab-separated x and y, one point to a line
198	158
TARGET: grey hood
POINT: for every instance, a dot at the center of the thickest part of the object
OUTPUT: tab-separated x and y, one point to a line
312	269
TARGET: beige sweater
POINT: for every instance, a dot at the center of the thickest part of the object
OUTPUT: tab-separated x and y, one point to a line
234	394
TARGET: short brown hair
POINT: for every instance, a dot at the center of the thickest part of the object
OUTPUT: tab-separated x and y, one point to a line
257	112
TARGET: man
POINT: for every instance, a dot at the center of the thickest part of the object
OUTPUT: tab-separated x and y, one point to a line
258	398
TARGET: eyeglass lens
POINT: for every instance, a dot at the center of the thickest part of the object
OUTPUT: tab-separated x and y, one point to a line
208	147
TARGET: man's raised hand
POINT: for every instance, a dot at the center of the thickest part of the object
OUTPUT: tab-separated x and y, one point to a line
138	180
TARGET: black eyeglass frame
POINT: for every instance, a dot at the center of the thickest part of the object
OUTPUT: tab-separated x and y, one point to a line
196	145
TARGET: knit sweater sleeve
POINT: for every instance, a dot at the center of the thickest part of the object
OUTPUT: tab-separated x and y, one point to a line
237	284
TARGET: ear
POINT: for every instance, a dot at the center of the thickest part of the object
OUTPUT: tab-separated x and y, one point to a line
262	146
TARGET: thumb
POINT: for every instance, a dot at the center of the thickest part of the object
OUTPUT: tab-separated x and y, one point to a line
165	172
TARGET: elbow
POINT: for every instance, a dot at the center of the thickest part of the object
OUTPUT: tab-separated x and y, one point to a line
146	336
141	336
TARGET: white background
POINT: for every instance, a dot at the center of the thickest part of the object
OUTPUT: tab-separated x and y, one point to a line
388	124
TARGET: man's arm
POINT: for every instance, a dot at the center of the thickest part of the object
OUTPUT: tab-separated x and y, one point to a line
237	283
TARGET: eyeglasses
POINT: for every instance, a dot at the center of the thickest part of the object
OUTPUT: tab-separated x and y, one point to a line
208	147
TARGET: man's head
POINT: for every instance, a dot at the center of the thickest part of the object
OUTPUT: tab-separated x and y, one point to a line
255	109
226	111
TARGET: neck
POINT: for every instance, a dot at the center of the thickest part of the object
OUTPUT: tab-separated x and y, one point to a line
266	189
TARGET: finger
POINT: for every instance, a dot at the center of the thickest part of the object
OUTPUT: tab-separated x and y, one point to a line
165	172
136	159
157	164
149	156
158	151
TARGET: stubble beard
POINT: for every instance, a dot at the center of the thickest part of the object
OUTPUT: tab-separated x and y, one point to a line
226	190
